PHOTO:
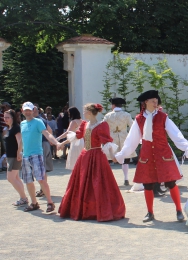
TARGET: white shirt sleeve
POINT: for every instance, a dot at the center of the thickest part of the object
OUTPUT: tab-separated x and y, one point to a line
105	119
176	136
130	144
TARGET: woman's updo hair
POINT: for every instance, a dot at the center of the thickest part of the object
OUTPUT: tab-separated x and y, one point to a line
93	108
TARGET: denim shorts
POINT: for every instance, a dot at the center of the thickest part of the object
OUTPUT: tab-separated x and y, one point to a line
32	167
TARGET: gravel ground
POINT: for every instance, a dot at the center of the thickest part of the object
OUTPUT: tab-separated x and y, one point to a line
37	235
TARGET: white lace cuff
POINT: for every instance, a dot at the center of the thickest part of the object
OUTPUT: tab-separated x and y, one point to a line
71	136
106	148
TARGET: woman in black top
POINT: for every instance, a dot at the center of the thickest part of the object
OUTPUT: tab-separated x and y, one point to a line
12	139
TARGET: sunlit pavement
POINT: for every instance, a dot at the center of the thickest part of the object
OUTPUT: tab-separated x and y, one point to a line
37	235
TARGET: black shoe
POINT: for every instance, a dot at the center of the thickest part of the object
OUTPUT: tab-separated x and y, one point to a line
56	157
148	217
180	216
126	183
158	194
158	188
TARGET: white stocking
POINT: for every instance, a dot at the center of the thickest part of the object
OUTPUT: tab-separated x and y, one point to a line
125	168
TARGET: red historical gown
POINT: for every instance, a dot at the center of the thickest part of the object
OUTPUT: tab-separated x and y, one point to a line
92	191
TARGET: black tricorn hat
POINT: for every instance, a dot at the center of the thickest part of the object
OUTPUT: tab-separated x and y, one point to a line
117	101
149	94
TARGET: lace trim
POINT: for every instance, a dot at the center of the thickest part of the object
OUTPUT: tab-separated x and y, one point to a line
89	126
87	138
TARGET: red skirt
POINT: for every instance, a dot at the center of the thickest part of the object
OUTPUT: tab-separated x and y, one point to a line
92	192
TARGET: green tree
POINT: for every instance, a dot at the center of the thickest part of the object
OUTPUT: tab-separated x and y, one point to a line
133	25
40	23
37	77
157	26
107	92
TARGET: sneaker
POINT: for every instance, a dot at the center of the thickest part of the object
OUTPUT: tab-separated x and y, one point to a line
21	202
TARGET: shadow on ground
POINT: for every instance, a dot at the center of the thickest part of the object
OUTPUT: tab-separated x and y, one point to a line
123	223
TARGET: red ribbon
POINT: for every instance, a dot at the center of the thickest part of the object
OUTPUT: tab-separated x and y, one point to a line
98	107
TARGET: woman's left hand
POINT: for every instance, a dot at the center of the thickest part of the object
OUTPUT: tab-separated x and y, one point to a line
112	155
19	156
62	146
114	159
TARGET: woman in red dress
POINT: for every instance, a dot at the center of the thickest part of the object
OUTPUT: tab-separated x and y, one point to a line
92	191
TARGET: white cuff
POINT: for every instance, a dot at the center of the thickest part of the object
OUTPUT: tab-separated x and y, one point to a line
186	153
106	148
71	136
120	158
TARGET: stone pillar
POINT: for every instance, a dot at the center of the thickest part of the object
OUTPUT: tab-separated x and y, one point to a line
85	59
3	46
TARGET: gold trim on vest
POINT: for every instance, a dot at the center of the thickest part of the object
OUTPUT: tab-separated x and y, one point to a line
140	160
168	159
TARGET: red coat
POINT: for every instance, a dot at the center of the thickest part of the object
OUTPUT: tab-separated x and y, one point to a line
156	162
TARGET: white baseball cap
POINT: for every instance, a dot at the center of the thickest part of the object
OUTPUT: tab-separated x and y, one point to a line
27	105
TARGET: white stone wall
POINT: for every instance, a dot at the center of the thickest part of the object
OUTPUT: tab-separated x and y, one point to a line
86	64
91	62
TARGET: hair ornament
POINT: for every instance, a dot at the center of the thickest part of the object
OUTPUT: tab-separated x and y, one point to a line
98	107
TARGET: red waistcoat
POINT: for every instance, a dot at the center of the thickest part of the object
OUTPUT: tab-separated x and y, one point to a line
156	162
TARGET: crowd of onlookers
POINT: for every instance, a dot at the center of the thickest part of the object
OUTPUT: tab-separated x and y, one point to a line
4	107
28	139
57	126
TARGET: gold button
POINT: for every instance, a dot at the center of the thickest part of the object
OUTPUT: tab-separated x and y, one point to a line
155	168
154	161
152	146
153	153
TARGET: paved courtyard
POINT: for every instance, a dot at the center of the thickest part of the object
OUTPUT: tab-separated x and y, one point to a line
37	235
